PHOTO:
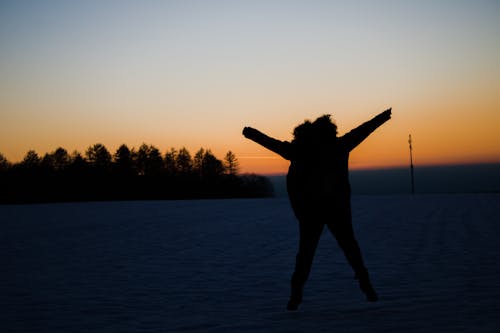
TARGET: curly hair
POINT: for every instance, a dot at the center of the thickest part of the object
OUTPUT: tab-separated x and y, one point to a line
322	128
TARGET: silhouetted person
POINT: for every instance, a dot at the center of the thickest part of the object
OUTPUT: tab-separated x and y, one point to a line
319	191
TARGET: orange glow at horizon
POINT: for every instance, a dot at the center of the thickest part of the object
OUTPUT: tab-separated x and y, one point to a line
464	140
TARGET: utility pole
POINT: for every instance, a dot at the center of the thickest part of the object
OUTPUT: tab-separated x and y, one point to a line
411	166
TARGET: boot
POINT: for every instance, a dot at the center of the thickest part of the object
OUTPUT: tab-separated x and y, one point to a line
366	287
295	296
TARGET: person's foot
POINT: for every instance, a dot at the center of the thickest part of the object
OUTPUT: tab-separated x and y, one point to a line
367	288
365	285
295	298
293	304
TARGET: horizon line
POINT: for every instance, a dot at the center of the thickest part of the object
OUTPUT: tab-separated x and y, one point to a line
396	167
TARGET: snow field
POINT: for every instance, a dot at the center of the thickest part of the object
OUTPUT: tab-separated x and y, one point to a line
224	266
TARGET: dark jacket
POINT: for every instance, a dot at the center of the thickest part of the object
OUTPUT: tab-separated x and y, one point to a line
319	169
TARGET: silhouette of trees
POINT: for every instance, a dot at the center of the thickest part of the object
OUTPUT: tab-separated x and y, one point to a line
198	161
211	167
126	175
170	162
123	161
60	159
4	164
148	160
78	164
183	162
231	164
4	168
30	161
99	157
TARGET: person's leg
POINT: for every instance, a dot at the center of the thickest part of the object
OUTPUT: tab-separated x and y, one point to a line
342	230
310	233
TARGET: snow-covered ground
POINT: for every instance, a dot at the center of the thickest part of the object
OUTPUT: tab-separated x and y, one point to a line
224	266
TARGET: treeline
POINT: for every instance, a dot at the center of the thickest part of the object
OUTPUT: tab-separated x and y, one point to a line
128	174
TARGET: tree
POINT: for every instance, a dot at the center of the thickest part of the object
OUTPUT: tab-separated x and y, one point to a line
99	157
211	167
155	161
169	161
183	161
60	159
198	161
149	160
47	162
141	159
77	162
123	161
31	160
4	163
231	164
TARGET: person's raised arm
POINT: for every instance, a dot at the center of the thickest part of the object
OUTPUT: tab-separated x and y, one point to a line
281	148
357	135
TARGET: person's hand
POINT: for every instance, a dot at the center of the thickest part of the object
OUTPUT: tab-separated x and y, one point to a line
249	131
387	113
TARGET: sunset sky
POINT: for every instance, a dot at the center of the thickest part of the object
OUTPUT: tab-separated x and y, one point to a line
194	73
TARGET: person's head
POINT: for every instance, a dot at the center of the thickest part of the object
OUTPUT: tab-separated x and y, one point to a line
319	130
303	132
325	127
